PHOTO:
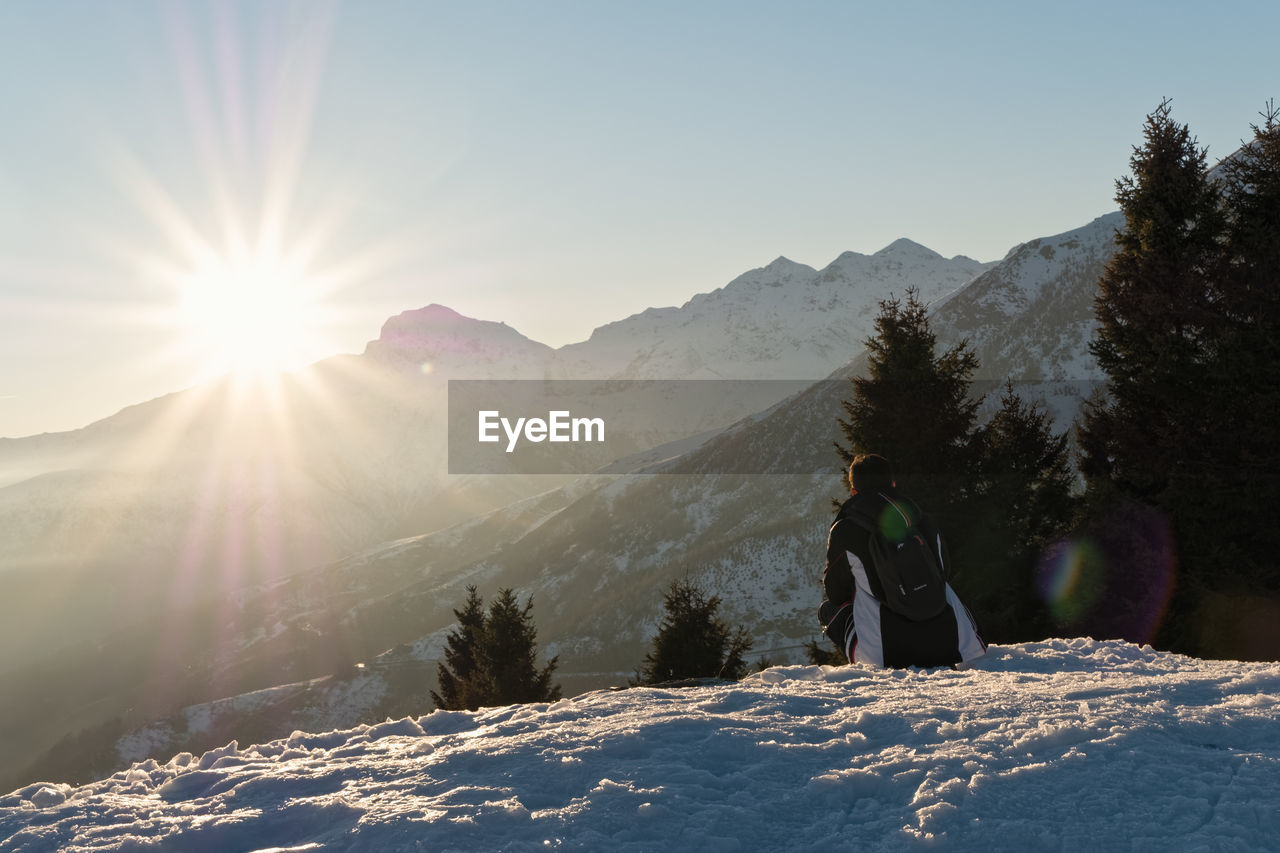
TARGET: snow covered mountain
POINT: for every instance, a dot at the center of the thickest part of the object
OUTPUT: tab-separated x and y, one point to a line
1030	317
1060	745
782	321
437	339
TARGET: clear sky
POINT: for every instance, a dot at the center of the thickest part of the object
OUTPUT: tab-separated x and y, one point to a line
164	166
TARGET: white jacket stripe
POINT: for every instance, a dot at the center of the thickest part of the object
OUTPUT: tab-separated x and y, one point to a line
866	616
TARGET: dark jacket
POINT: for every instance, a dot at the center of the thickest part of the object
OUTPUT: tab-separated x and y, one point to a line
856	619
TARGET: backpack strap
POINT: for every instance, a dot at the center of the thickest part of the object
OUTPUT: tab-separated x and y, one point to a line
868	523
905	507
915	518
862	519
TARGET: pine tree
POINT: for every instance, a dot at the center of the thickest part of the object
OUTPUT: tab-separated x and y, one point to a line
510	651
490	659
822	654
1024	501
1154	306
1026	467
1251	186
914	408
1145	440
458	675
693	641
1244	479
1188	325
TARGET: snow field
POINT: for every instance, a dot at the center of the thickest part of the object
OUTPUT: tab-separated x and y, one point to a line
1061	745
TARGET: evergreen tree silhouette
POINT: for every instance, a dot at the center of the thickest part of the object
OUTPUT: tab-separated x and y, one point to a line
693	641
509	654
914	409
1244	477
458	675
823	654
490	659
1024	501
1189	337
1154	306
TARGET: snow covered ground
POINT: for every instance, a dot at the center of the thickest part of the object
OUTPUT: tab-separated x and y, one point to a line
1062	745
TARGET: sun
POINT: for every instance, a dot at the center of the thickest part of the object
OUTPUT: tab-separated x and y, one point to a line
256	312
256	274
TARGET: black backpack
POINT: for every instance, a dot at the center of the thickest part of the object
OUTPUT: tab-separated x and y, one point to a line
905	555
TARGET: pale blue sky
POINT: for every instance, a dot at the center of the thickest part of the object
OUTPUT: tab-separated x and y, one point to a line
555	165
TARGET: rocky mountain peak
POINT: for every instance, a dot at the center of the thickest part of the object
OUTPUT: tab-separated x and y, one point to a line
436	334
902	248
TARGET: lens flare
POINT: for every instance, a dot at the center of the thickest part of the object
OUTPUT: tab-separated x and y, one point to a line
1115	580
894	522
1070	580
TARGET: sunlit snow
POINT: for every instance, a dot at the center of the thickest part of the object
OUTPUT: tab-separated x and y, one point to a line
1061	745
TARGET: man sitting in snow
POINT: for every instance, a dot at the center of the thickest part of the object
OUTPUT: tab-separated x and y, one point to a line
886	626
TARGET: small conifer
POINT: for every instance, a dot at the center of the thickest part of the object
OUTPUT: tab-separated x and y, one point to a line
490	659
693	641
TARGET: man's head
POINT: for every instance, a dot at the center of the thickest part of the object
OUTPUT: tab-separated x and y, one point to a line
870	472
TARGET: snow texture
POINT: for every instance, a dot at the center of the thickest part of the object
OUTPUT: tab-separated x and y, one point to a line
1060	745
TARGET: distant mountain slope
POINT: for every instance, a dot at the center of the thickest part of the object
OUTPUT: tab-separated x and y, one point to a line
1030	317
1059	745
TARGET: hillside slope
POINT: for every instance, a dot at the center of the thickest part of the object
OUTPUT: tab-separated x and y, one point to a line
1060	745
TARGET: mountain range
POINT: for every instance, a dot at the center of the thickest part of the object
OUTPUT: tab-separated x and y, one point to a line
258	536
